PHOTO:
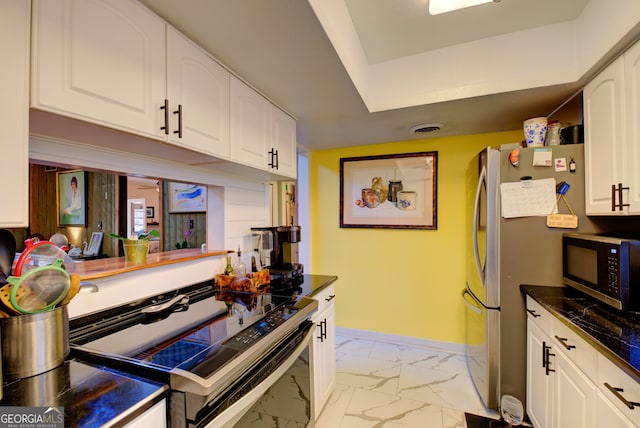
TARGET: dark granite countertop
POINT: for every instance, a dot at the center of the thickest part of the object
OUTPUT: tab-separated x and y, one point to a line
313	284
91	396
613	333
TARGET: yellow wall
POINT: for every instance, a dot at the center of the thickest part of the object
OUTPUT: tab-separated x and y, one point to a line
402	282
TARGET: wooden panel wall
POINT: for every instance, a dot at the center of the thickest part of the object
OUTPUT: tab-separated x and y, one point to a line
101	206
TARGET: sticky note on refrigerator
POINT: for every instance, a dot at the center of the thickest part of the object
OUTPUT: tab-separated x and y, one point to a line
542	156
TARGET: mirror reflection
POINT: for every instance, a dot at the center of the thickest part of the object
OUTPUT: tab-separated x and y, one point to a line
117	204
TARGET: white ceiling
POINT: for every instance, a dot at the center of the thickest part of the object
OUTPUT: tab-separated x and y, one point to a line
392	29
356	72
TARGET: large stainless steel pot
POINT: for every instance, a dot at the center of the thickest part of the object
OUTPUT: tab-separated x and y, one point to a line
34	343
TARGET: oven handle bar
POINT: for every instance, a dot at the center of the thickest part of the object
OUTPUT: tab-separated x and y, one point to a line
232	414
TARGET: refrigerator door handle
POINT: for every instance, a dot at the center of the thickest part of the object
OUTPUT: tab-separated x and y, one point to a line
478	302
476	206
471	304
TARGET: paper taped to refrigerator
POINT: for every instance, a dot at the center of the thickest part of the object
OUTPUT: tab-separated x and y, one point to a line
528	198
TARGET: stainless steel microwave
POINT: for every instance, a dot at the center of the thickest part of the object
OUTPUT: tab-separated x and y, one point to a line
604	267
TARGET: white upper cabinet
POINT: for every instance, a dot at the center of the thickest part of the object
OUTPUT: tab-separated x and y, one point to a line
262	135
198	94
101	61
612	138
250	126
115	63
14	107
284	141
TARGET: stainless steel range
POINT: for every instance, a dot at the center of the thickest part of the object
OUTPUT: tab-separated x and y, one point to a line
218	358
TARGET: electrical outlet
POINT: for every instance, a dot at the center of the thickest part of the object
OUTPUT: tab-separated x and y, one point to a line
100	226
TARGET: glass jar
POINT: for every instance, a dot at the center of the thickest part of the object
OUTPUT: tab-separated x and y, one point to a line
553	134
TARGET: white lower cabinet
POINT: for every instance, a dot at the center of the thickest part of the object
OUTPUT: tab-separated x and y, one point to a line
574	394
567	379
154	417
608	415
539	383
323	349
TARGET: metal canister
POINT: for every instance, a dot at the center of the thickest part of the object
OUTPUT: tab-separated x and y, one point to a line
394	187
34	343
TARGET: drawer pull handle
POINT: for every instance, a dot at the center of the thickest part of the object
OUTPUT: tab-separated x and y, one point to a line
616	391
533	313
563	340
323	330
165	107
546	353
330	298
179	113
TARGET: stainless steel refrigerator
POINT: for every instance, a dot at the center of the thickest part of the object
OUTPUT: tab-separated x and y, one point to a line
503	253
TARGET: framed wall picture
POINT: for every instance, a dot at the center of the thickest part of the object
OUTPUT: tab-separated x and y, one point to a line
71	200
94	244
389	191
150	212
187	198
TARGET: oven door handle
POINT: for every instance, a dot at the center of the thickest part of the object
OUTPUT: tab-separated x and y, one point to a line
232	414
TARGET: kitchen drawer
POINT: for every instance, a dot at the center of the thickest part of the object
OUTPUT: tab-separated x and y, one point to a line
325	297
539	315
629	388
576	349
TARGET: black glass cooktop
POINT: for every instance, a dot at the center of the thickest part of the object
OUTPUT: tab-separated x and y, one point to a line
200	335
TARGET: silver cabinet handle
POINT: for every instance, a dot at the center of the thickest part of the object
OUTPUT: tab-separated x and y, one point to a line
616	391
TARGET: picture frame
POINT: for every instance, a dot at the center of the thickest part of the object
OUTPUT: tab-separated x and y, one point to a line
187	198
71	198
397	191
94	245
150	212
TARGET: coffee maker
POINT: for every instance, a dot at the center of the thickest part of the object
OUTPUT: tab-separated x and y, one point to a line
277	248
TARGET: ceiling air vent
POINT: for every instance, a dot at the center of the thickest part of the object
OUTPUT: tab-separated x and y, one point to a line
425	128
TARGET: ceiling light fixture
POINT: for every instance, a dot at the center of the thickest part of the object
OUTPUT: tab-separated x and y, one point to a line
437	7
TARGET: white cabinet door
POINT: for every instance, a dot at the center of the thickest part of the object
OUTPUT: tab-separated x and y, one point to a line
14	105
632	126
604	138
250	126
575	395
154	417
284	141
101	61
539	378
323	349
607	415
198	90
612	138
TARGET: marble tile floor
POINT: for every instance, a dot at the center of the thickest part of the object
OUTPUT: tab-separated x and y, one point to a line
387	385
